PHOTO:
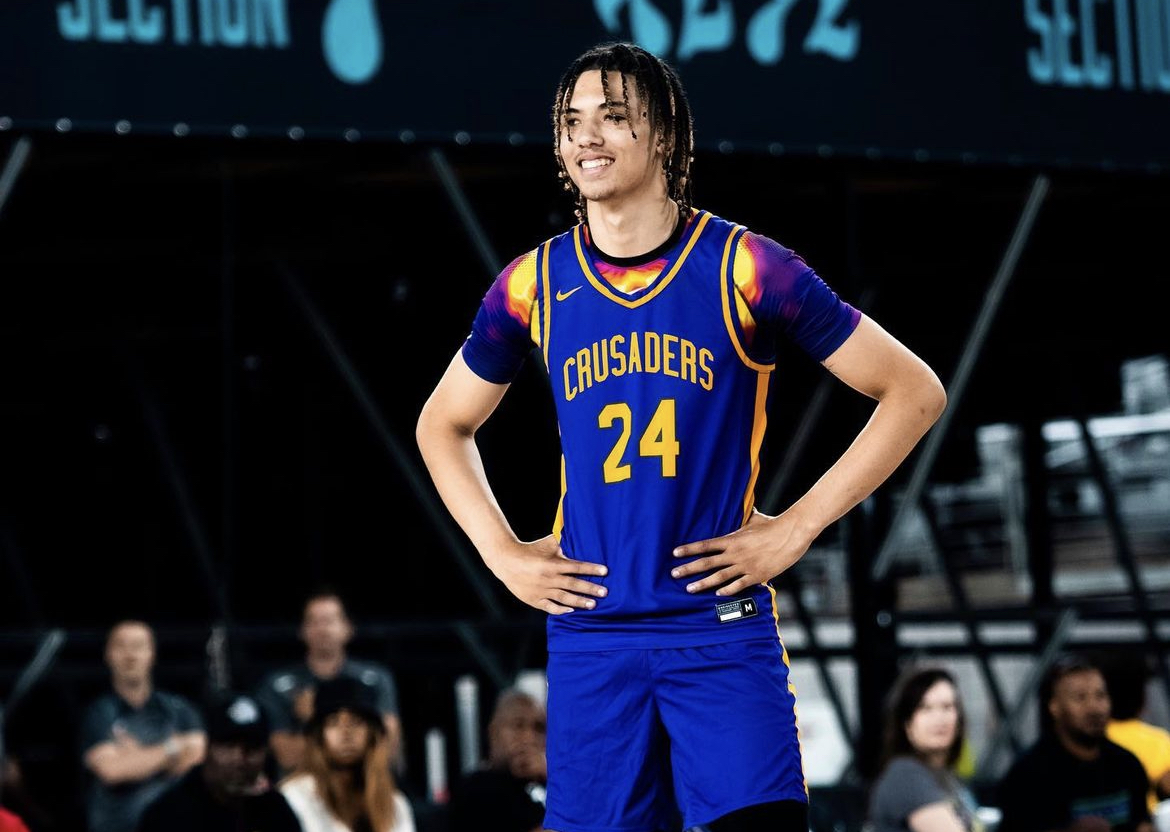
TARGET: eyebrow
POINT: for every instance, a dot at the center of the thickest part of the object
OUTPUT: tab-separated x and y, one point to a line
608	105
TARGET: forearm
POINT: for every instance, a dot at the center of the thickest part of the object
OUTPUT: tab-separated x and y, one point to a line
898	422
191	748
456	467
130	764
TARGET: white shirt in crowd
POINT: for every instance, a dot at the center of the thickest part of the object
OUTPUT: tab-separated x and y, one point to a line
301	793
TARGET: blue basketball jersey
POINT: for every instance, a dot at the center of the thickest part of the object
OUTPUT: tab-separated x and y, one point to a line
662	414
660	372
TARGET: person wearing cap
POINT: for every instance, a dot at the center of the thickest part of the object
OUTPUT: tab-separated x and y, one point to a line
287	694
344	783
229	791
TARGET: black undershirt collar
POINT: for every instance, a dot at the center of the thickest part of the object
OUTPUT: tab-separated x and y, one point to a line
649	257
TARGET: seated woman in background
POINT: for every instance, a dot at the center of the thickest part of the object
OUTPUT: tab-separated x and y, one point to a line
917	789
344	783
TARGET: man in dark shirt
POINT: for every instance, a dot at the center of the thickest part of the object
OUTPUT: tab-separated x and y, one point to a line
136	740
287	694
1073	778
510	789
229	792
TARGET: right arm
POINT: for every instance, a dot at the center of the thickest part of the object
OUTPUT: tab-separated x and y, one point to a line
537	573
125	760
935	817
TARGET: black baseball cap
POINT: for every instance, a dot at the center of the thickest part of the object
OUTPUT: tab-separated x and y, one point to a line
346	693
236	717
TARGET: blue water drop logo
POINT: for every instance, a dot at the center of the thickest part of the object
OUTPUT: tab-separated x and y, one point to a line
351	36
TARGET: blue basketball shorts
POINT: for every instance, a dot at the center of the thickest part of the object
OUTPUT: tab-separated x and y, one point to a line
641	740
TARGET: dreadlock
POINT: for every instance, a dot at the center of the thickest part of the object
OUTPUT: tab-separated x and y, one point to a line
667	110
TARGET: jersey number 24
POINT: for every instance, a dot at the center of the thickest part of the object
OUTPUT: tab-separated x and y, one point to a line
657	440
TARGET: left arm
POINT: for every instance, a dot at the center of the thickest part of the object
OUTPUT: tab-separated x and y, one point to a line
192	745
909	399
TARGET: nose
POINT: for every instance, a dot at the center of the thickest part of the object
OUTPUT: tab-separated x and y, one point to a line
587	133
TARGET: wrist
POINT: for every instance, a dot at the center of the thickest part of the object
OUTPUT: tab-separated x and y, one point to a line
171	749
801	525
497	550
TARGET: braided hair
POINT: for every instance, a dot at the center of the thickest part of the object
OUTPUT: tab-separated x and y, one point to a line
667	110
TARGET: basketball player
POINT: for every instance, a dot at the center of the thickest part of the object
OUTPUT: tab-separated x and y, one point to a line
668	682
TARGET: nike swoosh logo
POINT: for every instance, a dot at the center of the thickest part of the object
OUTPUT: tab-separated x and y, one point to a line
562	295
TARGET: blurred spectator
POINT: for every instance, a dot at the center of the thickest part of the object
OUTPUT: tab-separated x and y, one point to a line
10	822
1074	778
510	788
287	694
917	788
17	799
229	791
136	740
345	783
1126	675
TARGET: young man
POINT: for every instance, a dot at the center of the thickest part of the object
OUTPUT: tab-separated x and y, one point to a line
668	683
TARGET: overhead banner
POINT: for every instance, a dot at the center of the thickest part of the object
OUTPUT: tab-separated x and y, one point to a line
1082	82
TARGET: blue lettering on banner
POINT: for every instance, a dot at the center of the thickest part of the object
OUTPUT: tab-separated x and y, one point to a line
351	34
1071	52
231	23
714	30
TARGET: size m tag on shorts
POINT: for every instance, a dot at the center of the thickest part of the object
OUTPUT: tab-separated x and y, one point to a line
735	610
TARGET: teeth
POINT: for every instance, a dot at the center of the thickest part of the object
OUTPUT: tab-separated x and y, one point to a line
590	164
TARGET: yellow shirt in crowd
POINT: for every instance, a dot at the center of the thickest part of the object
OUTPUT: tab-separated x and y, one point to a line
1149	743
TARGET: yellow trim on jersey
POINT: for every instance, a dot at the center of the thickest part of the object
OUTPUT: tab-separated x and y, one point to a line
791	687
547	302
659	285
759	423
723	290
559	520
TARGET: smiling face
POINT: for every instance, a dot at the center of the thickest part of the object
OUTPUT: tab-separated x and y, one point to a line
598	145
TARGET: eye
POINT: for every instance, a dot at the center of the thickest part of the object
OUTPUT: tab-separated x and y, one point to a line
616	118
572	122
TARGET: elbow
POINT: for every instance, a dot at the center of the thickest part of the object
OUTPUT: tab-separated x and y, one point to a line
106	774
422	428
934	399
435	425
428	427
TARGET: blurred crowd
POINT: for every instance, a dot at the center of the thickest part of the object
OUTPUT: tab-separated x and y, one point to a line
317	746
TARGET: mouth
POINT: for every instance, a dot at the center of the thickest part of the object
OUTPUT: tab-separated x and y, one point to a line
596	163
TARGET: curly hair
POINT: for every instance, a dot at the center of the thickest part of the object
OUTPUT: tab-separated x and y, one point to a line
667	109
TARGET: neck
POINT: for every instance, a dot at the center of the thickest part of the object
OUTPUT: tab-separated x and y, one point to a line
325	665
218	793
1077	747
934	759
635	226
134	691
